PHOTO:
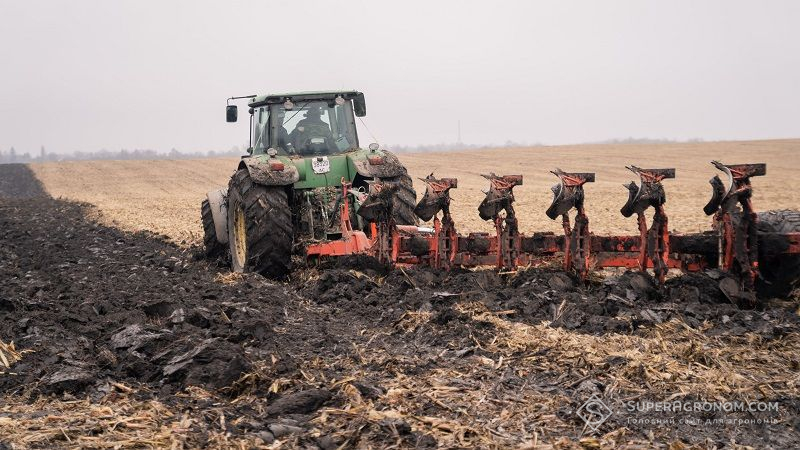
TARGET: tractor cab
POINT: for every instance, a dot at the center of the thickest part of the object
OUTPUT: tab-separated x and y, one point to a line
306	124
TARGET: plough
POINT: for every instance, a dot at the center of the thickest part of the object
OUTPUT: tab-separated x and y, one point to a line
307	187
733	245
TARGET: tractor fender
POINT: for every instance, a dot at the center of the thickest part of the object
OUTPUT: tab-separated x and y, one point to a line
271	171
388	165
218	201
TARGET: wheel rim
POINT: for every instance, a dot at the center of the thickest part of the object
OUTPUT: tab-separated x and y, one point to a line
239	236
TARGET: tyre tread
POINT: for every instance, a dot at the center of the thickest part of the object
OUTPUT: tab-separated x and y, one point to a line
268	224
781	274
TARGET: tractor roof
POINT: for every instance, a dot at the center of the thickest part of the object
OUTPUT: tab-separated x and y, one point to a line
302	96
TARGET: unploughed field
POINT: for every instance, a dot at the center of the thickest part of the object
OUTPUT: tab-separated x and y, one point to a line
116	333
164	196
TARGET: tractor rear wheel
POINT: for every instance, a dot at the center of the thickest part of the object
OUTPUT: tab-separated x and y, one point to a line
259	227
212	244
780	274
405	199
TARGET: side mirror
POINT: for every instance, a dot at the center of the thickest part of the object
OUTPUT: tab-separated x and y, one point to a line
231	113
360	105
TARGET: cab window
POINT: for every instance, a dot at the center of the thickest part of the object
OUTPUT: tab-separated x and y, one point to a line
314	128
261	130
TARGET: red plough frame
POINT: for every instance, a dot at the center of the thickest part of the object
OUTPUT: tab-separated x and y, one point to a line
731	245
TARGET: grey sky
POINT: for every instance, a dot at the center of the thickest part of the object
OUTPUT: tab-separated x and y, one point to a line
86	75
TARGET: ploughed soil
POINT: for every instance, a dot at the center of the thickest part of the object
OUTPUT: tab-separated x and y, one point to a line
123	339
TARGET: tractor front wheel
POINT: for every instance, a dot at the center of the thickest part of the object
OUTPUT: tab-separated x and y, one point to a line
259	227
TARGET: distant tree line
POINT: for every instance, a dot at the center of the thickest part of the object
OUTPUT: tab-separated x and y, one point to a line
446	147
632	140
11	155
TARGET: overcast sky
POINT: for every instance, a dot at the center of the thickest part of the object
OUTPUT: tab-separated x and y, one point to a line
86	75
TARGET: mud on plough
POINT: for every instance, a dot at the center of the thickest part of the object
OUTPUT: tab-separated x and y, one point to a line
734	244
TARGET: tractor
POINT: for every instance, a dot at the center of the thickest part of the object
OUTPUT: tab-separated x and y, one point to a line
287	192
307	188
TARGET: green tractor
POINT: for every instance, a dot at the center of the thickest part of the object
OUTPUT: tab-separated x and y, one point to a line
287	192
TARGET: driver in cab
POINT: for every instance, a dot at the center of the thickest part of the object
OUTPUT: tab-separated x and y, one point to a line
312	135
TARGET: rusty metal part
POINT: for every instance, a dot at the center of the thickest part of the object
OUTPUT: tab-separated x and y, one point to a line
737	230
436	198
738	178
654	247
444	245
499	198
377	207
649	193
568	194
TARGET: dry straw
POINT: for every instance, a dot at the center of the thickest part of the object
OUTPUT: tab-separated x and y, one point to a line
506	388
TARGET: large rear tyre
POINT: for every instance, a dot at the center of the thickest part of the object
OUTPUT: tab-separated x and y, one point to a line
213	246
405	199
780	274
259	227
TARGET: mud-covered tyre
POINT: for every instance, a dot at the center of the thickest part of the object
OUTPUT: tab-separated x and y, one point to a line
259	227
780	273
405	199
212	245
